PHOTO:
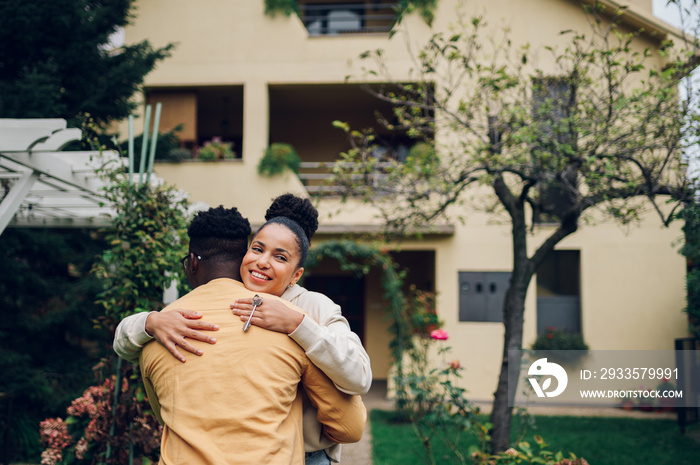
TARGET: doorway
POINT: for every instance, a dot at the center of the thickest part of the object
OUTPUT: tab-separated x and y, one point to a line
346	291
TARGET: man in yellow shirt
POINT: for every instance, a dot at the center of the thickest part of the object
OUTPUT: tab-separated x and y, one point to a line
240	403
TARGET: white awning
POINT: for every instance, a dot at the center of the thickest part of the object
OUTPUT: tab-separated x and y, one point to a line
45	187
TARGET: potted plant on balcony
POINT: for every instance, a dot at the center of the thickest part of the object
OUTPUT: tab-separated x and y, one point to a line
216	149
278	158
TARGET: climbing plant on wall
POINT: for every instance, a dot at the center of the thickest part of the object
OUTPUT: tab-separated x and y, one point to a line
360	259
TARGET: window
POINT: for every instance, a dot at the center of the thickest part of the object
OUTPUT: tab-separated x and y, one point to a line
347	17
558	291
552	100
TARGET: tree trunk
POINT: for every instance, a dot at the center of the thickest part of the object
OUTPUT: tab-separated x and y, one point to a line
524	268
513	309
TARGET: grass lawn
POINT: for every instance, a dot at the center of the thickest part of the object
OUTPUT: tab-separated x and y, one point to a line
600	440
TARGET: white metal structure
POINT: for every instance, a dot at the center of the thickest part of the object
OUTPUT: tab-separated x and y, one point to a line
43	186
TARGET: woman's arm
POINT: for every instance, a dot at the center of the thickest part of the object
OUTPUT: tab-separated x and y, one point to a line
130	337
170	329
325	337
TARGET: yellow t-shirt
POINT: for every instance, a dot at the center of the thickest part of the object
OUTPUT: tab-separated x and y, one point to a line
238	403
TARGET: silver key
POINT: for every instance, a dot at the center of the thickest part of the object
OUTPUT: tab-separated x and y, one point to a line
257	300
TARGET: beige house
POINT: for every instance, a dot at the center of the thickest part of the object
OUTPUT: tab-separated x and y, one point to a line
252	79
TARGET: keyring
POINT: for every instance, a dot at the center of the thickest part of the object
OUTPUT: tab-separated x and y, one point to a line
257	300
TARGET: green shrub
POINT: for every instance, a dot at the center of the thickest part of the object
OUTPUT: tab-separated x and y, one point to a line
559	339
279	157
179	154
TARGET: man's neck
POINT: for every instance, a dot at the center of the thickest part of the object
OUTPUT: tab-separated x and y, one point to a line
209	274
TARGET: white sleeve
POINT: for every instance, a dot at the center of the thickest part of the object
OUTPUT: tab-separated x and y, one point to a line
131	336
331	345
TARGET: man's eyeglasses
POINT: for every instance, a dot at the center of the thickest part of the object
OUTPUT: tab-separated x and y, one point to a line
185	259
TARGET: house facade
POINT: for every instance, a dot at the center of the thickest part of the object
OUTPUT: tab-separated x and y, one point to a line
253	79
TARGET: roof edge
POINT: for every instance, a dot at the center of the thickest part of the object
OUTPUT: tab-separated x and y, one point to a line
652	25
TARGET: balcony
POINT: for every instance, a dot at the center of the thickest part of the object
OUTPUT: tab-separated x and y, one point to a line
315	177
329	18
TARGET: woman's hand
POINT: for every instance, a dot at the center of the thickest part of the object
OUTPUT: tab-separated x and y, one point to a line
171	330
270	314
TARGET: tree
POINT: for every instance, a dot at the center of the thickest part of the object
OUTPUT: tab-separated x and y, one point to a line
600	132
47	336
56	62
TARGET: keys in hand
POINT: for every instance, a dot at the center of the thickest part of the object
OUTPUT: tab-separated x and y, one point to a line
257	300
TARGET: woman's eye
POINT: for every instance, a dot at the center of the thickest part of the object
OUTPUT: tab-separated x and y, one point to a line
281	258
256	249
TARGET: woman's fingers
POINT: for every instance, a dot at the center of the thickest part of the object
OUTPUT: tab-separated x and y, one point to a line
173	329
172	348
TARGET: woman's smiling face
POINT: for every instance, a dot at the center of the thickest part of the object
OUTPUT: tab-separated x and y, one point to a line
271	261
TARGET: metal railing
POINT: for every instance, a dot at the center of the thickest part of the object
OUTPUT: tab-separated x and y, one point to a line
316	176
348	18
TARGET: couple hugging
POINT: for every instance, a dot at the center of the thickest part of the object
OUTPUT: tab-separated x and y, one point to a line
242	401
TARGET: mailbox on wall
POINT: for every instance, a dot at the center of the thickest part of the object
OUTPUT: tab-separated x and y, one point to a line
481	295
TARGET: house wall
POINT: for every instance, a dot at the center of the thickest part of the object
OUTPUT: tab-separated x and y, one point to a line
632	279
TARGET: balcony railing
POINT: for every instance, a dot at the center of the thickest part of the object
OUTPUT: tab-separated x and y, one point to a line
348	18
316	176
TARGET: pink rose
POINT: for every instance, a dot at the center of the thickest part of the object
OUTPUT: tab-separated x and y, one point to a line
439	335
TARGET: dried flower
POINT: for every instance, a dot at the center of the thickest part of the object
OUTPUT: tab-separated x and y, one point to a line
54	433
81	448
51	457
455	365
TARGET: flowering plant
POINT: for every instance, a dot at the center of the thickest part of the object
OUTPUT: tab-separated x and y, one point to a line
92	432
215	149
437	407
421	308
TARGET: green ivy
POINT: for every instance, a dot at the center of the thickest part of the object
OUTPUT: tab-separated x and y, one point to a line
360	259
285	7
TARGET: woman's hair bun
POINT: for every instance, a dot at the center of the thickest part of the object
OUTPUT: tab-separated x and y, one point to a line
298	209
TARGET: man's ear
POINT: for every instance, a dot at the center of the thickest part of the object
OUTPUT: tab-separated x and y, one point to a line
194	264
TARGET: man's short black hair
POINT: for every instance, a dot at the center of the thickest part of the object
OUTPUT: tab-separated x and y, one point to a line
219	234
